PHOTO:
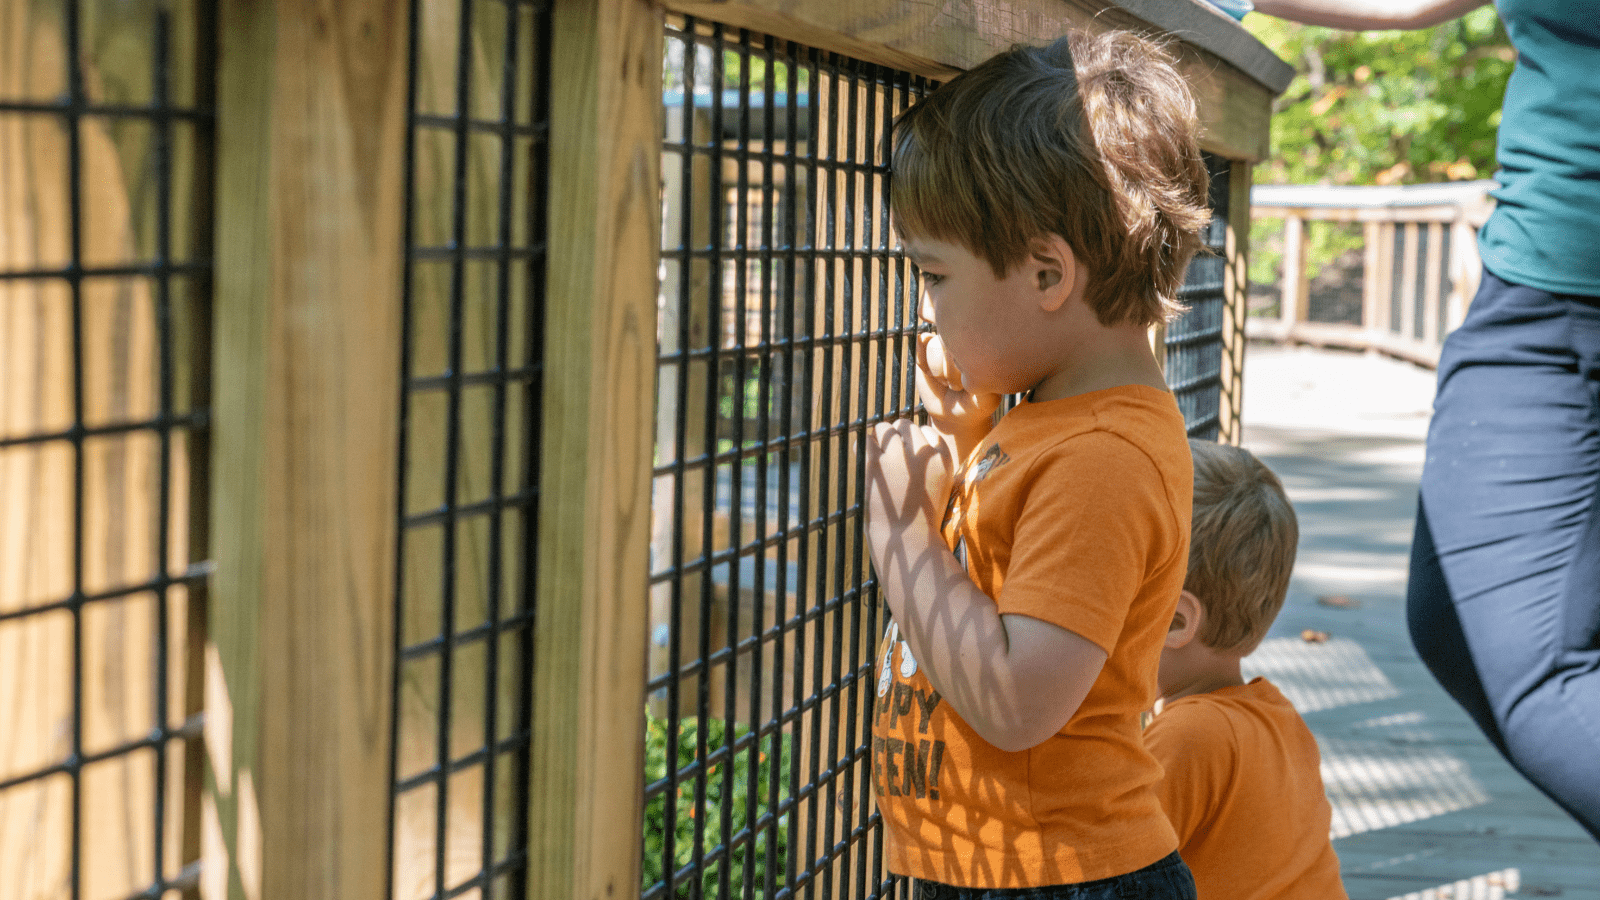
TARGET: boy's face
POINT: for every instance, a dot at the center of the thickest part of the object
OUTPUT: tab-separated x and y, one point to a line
980	318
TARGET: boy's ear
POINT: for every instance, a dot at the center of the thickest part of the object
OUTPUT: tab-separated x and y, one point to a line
1054	269
1186	621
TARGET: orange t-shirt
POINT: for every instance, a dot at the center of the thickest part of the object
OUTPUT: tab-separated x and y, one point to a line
1076	512
1244	791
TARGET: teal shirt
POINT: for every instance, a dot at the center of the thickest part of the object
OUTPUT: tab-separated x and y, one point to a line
1545	229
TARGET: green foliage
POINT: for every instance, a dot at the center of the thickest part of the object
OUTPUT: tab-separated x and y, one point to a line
1327	242
1387	107
728	778
672	73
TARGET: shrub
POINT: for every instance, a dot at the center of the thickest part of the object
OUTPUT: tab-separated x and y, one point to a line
754	820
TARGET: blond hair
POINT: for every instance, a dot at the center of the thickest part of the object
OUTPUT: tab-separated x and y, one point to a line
1094	138
1242	546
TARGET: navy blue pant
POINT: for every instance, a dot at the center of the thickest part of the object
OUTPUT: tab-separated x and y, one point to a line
1166	879
1504	598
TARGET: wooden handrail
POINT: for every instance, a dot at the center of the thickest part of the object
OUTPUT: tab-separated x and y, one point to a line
1413	292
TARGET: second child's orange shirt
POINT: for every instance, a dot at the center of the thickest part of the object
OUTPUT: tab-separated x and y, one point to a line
1244	790
1075	512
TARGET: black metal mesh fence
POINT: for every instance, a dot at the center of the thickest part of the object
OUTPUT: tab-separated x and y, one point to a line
1195	341
472	376
105	284
787	320
786	328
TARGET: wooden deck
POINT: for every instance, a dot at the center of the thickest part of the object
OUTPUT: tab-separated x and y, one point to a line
1424	807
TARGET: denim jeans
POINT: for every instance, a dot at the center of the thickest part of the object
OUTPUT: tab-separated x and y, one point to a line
1165	879
1504	596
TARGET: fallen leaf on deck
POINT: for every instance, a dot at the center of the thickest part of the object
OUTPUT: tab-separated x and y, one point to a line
1313	636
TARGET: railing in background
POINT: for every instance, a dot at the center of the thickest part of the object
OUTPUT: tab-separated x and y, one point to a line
1418	272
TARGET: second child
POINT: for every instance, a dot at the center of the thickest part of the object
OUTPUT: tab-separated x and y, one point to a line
1243	783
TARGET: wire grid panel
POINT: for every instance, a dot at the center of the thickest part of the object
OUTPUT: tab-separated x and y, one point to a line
472	376
1195	342
105	284
786	328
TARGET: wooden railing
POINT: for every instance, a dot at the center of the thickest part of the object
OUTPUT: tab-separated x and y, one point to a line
1418	273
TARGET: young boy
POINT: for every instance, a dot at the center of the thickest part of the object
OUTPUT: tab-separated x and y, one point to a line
1237	756
1051	199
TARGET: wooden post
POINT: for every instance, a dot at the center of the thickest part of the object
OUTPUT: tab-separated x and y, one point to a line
311	128
1463	267
1371	279
1388	239
1236	303
587	775
1295	304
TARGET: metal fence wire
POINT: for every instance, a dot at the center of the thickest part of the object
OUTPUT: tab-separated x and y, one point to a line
787	321
786	328
472	377
106	120
1196	342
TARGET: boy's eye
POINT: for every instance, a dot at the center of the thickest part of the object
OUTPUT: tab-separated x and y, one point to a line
930	279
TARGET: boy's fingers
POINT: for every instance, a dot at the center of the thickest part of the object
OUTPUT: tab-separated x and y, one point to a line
878	434
926	390
940	364
933	360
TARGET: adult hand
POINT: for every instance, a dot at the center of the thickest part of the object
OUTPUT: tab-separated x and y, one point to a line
961	415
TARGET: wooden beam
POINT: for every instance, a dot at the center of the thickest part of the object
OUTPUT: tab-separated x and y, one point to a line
1464	271
1372	285
587	773
1432	213
1295	305
939	40
311	133
1347	337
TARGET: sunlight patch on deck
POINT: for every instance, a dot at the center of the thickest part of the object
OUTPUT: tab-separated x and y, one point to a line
1492	886
1375	784
1358	572
1320	676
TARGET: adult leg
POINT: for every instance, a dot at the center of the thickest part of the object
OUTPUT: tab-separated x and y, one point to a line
1437	635
1509	503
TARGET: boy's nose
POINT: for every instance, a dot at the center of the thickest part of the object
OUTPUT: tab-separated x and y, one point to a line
925	311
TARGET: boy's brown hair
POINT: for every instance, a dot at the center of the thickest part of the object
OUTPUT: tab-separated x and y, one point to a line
1094	138
1242	545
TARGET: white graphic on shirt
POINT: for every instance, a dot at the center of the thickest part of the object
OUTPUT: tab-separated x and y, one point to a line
886	676
908	663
